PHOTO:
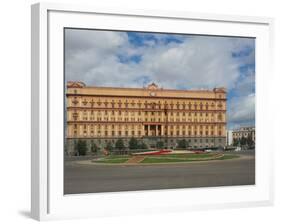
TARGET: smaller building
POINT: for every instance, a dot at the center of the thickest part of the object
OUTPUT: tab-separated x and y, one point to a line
244	132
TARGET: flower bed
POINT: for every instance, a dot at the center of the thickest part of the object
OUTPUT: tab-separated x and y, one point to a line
159	152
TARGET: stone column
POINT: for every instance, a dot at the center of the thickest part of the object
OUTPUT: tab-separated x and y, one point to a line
162	130
156	130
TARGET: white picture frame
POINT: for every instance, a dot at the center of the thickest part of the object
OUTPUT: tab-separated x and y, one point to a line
48	201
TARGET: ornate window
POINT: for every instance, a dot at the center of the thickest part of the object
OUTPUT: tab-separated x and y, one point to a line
172	106
183	106
75	101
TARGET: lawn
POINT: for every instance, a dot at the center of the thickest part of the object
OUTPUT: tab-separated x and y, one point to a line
112	160
173	158
229	157
167	158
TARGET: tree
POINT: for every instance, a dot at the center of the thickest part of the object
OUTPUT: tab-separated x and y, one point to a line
109	146
243	141
133	143
142	145
120	144
81	148
94	148
250	140
160	145
182	144
235	142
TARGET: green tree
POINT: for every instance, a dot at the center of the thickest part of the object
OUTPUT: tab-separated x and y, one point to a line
182	144
109	146
249	140
142	145
94	148
243	141
120	144
160	145
81	148
133	143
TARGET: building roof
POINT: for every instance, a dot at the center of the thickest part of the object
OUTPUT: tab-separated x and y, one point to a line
152	90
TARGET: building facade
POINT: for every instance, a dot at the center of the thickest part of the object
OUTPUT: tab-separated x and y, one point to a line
244	132
229	137
150	114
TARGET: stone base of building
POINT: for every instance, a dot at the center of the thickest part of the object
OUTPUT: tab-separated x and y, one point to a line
169	142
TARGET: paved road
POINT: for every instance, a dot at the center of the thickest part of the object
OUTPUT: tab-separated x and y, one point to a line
105	178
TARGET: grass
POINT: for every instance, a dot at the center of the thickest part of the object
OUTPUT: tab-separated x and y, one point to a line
167	158
115	160
177	158
116	157
229	157
186	155
163	160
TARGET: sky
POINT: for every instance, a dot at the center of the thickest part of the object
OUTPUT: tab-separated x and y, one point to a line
176	61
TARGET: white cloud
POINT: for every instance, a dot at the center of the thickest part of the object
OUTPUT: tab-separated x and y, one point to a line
242	109
196	62
91	57
199	62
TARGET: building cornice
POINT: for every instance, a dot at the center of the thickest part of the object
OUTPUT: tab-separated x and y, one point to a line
147	97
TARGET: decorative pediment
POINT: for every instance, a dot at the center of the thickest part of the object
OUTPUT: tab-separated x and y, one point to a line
220	90
72	84
152	86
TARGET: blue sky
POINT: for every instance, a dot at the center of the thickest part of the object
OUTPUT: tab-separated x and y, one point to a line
109	58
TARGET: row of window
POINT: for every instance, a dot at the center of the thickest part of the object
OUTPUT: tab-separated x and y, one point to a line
139	133
169	127
126	119
151	116
172	130
146	104
200	140
146	113
245	134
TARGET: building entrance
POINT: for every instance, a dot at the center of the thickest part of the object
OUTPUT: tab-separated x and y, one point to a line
152	130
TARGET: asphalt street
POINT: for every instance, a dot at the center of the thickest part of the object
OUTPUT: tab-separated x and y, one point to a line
81	178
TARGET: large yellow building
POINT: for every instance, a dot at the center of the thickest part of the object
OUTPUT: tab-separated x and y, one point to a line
102	114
